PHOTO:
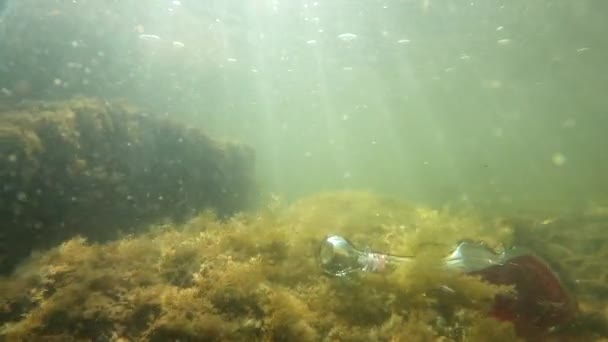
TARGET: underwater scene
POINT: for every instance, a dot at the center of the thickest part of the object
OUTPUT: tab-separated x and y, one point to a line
303	170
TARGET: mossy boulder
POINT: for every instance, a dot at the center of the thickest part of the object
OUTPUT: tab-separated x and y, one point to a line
94	167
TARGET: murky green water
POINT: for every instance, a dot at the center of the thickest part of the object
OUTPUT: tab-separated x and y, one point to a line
496	104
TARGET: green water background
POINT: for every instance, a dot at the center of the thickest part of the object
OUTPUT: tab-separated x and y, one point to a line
498	105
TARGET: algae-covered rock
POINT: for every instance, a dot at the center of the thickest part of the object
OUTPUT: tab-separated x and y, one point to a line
93	167
254	277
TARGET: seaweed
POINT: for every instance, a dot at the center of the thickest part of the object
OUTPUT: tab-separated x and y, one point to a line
254	277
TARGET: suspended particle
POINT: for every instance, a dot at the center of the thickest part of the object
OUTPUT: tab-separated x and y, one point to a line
149	37
558	159
22	197
347	37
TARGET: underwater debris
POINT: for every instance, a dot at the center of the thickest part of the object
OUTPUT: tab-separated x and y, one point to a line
93	167
538	304
223	280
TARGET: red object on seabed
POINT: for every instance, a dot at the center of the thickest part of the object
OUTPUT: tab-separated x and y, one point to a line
541	303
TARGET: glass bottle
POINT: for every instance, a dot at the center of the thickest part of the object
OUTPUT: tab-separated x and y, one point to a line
339	257
540	306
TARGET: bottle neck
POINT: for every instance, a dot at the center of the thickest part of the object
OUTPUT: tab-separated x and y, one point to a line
379	262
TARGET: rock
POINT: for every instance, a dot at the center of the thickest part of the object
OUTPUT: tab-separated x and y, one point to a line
91	168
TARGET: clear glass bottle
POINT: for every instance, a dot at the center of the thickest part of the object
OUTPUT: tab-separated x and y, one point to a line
541	303
339	257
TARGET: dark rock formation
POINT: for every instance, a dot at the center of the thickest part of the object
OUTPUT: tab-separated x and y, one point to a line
91	168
